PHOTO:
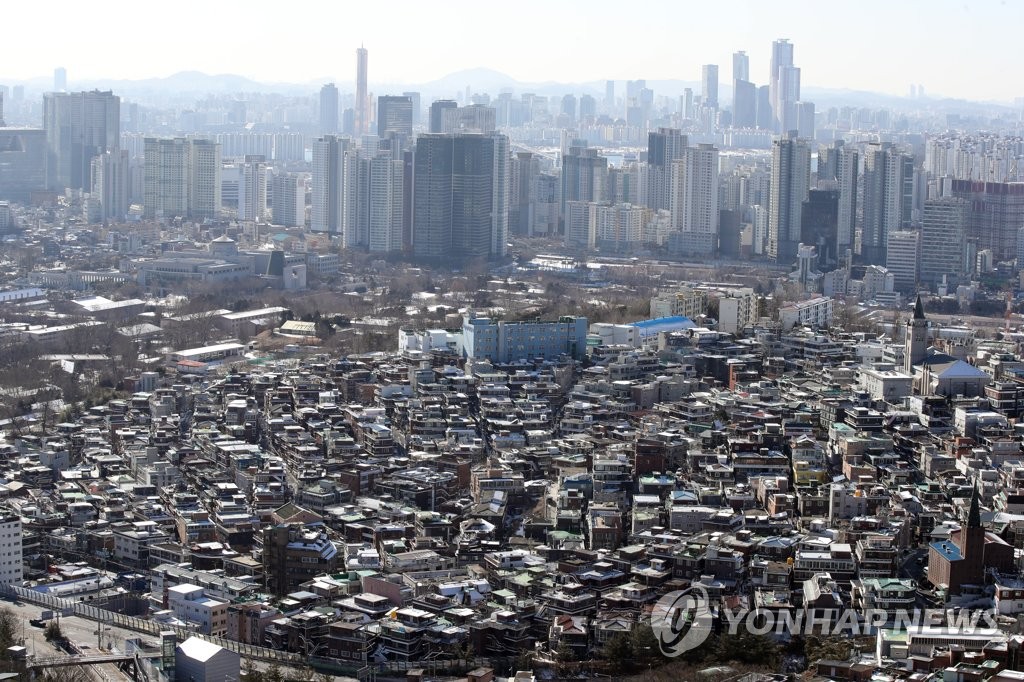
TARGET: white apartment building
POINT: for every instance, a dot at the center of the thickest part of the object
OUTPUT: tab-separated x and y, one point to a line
190	604
687	302
10	550
816	312
384	202
737	309
694	193
884	382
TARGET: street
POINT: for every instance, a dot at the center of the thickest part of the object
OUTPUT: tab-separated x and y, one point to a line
84	634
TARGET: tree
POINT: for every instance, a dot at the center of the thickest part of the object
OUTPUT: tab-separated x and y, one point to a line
745	647
9	629
72	673
618	651
828	648
251	672
644	644
273	674
564	653
524	661
53	632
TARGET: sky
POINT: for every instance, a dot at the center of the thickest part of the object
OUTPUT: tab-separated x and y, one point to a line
957	49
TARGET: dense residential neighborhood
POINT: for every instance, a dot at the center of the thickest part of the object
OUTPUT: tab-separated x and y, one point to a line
594	372
517	494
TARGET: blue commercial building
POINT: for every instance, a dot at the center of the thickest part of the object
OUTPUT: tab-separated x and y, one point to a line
502	342
649	329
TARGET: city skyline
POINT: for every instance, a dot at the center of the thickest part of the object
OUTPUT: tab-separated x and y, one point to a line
830	53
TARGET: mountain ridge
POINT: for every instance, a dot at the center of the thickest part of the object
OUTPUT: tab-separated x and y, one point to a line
478	79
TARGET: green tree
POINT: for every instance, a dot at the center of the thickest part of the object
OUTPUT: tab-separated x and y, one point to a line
618	651
524	661
53	632
745	647
644	646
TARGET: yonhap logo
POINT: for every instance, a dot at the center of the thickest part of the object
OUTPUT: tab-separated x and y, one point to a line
682	621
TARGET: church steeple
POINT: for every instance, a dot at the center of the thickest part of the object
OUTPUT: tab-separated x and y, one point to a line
974	515
919	309
916	338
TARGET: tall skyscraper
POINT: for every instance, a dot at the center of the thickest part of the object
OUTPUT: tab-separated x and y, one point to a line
664	147
381	194
580	232
688	112
437	112
944	240
181	178
846	176
995	214
476	118
110	176
695	197
363	113
328	109
609	96
765	116
788	109
902	259
416	106
784	86
791	178
584	174
709	85
252	188
740	66
623	185
165	184
334	188
569	107
79	126
60	79
588	108
888	197
523	172
394	115
460	200
805	119
204	180
744	104
289	193
819	223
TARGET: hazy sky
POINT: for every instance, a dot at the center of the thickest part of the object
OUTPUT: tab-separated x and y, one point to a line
962	49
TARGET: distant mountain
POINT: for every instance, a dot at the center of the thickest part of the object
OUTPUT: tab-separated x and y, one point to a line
188	85
181	84
479	80
194	82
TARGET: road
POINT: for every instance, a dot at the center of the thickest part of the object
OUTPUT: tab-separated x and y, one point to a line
83	633
80	631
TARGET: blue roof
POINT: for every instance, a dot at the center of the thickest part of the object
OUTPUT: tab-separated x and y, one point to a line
948	550
659	321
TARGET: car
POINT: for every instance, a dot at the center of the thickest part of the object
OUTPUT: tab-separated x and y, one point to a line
37	622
